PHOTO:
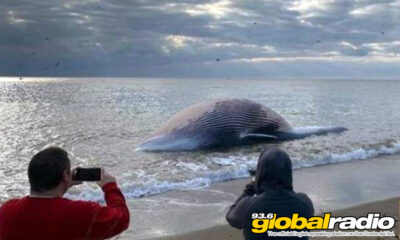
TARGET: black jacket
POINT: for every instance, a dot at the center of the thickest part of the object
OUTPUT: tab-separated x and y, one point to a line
271	192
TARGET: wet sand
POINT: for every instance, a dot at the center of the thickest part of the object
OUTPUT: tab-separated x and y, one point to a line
200	214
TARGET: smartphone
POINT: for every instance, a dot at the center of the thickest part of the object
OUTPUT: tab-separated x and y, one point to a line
87	174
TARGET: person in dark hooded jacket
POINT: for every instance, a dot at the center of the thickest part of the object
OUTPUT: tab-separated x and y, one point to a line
271	192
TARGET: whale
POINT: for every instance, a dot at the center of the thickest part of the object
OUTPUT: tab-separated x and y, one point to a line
225	123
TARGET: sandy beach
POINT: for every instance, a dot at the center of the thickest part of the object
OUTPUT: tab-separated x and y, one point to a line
200	214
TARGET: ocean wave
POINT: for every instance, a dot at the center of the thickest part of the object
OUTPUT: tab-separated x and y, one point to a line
356	154
152	187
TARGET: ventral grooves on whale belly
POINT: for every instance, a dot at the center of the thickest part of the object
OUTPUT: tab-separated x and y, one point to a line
222	123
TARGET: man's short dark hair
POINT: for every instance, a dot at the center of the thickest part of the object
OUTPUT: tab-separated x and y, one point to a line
46	169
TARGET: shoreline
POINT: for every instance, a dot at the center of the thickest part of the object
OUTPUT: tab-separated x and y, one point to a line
331	187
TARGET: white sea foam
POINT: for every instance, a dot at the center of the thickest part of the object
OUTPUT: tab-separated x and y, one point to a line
224	161
154	186
356	154
194	167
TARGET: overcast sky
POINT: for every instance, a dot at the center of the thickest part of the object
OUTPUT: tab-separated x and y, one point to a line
200	38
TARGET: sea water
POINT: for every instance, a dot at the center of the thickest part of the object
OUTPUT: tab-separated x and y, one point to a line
101	121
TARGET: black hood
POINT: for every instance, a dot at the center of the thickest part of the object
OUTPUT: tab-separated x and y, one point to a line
274	170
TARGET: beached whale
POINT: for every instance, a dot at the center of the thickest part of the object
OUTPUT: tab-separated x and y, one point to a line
225	122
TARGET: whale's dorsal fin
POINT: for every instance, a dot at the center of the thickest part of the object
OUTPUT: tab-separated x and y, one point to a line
257	136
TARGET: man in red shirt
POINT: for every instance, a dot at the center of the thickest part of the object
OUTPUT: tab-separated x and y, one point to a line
45	214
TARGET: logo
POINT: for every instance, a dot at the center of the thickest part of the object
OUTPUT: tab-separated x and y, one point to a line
373	221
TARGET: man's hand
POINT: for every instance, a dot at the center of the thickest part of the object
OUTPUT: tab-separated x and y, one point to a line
105	178
74	182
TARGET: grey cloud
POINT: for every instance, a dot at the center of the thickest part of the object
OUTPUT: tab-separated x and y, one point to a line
175	38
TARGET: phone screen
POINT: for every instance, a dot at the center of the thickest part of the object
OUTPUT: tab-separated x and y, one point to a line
87	174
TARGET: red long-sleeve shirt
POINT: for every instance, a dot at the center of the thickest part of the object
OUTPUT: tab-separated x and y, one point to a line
60	218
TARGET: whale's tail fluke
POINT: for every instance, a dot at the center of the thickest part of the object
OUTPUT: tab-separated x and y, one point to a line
303	132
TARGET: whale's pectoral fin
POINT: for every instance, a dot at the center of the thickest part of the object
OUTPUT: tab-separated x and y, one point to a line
257	136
